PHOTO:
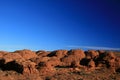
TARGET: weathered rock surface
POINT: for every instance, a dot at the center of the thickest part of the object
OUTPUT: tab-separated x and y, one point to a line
58	53
91	54
57	65
26	54
73	57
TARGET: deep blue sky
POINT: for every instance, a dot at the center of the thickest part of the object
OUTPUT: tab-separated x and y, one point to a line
57	24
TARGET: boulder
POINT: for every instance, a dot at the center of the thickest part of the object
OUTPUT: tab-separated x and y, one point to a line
26	54
2	53
109	59
74	56
8	57
61	53
42	53
15	62
91	54
51	63
91	65
109	56
58	53
117	64
48	66
37	60
29	67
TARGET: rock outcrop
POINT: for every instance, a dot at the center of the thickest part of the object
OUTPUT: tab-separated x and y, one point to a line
73	57
45	63
26	54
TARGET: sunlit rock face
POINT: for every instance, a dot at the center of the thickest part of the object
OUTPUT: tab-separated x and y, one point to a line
41	64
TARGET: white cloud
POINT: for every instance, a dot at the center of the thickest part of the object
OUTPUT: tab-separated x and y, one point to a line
12	47
94	47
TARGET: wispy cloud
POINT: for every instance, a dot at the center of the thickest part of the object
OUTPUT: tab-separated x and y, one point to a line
12	47
94	47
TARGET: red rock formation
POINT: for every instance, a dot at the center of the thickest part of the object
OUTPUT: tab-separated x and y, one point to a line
29	67
91	54
110	59
2	53
26	54
8	57
49	66
14	61
74	56
42	53
61	53
91	65
60	63
117	64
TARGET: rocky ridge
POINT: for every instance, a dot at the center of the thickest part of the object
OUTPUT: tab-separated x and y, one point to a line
59	65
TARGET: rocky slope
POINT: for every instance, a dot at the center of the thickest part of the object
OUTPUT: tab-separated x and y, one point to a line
60	65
